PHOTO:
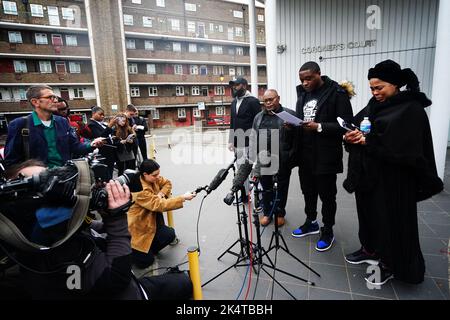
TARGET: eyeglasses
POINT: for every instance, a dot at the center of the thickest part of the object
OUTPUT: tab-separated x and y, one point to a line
269	99
51	97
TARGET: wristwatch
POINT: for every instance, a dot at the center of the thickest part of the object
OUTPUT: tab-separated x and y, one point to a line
319	127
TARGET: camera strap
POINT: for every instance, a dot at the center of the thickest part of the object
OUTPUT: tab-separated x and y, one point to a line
12	235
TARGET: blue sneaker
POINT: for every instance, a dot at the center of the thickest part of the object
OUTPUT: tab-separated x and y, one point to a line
326	240
306	229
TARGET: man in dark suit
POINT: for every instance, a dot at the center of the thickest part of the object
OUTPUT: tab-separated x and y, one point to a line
139	125
99	129
244	108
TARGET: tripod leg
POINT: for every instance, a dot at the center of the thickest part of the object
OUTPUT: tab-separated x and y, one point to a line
228	250
232	266
306	266
278	283
291	275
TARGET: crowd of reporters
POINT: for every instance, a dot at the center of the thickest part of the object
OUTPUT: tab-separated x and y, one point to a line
315	147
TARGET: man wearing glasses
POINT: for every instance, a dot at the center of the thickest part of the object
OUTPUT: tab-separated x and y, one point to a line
42	135
272	142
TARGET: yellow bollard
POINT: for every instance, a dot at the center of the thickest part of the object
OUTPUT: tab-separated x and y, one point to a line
152	148
194	272
168	143
170	219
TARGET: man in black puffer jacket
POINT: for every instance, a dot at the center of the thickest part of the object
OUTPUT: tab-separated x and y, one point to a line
320	101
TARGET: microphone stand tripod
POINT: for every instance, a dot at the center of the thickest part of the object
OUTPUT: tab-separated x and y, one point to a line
243	240
276	235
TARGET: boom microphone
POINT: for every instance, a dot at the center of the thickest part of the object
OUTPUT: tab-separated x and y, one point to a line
219	178
239	179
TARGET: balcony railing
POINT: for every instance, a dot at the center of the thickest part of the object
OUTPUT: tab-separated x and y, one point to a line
24	106
173	78
181	100
37	77
28	48
170	55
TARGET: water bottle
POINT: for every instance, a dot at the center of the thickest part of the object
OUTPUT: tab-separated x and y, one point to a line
365	126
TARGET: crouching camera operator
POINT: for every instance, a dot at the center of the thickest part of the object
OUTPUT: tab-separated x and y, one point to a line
67	258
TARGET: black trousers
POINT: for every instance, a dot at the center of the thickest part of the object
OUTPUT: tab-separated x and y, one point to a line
267	183
315	186
123	165
163	237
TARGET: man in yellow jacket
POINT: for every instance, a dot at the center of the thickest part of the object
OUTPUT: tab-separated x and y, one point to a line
148	232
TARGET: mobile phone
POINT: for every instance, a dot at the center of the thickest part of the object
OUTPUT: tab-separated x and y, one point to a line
347	126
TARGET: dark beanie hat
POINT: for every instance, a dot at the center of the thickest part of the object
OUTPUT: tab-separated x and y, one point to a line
390	71
148	166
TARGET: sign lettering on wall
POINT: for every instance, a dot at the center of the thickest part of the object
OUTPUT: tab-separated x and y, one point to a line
340	46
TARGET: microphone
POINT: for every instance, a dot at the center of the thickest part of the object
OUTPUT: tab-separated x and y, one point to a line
219	178
238	181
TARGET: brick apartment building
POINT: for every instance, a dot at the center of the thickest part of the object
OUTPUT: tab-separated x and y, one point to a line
170	58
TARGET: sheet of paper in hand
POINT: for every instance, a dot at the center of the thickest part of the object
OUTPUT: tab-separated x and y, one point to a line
289	118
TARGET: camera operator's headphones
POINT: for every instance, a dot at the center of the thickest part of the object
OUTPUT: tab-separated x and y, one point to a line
10	234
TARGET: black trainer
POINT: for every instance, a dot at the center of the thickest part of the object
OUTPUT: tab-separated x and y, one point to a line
385	276
326	239
362	256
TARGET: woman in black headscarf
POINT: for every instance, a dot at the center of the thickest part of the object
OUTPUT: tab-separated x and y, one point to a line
390	170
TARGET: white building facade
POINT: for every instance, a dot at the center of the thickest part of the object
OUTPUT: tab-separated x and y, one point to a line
347	37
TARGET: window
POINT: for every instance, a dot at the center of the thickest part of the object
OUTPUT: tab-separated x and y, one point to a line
131	44
179	90
230	33
220	28
194	69
181	112
71	41
239	51
211	27
53	16
217	70
37	10
41	38
9	7
153	92
160	3
195	91
238	14
204	91
231	71
136	1
203	70
148	45
22	94
192	47
178	69
175	24
15	37
68	13
239	71
190	6
133	68
220	111
135	92
176	47
260	17
45	67
74	67
217	49
238	31
57	40
231	51
155	114
20	66
219	90
78	92
147	22
151	68
196	113
191	26
60	67
128	20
